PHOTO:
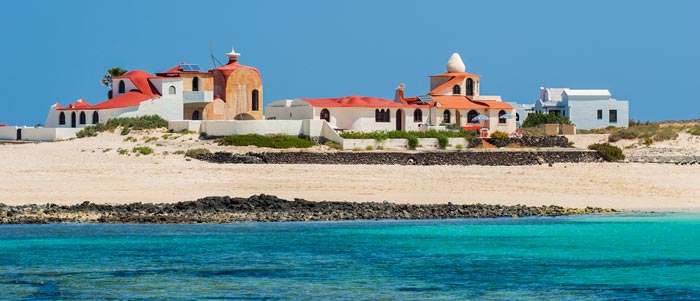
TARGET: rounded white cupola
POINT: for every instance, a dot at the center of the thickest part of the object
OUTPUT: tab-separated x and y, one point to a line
233	56
455	64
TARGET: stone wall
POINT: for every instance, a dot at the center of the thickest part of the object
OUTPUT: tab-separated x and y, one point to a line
489	158
532	141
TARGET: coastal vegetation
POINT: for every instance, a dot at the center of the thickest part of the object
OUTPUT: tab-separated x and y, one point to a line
126	123
196	152
412	136
653	131
536	119
276	141
609	152
142	150
499	135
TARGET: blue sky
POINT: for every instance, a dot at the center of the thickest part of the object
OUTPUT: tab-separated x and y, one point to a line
647	52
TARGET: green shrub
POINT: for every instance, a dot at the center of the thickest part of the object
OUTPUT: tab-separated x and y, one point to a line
277	141
179	152
149	139
123	151
499	135
666	133
442	141
695	130
138	123
125	131
143	150
535	119
609	152
648	141
458	147
130	139
88	131
412	142
333	144
631	133
106	150
369	148
194	153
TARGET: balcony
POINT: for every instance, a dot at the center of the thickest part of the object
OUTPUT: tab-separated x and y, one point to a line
198	96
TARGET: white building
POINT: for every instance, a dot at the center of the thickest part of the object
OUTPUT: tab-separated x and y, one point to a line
454	98
587	109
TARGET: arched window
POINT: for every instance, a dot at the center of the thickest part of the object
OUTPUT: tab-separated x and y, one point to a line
517	117
387	116
95	117
417	115
501	119
72	119
377	117
256	101
446	116
471	115
195	115
195	84
456	89
470	87
62	118
122	86
326	115
172	90
82	118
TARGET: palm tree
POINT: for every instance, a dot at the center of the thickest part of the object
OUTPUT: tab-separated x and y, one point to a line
107	78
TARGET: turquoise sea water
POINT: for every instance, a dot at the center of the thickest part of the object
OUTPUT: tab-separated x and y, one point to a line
646	257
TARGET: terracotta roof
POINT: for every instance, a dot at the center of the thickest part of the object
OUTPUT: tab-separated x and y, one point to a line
140	79
233	65
493	104
128	99
357	102
457	102
448	84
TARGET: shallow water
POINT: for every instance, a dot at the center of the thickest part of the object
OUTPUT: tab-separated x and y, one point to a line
572	258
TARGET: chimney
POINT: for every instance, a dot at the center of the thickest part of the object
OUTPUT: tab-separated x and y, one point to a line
398	95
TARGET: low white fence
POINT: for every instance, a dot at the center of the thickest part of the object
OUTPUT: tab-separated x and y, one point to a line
37	134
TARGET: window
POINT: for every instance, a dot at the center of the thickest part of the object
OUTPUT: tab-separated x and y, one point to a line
326	115
456	89
446	116
62	118
195	84
471	115
382	115
122	86
517	117
470	87
377	116
600	114
256	101
613	116
172	90
82	118
500	118
418	115
195	115
95	117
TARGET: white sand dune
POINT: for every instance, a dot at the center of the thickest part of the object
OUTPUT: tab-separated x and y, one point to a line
71	172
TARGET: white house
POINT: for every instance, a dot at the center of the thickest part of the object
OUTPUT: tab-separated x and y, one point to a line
454	98
587	109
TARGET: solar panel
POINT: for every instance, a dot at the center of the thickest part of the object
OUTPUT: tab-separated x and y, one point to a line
425	98
195	67
190	67
186	68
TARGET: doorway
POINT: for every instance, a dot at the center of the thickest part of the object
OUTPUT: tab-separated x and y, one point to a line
399	120
19	134
72	120
458	117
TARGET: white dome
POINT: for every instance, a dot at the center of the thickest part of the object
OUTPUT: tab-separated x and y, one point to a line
455	64
233	54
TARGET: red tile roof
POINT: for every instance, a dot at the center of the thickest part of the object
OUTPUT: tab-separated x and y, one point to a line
145	91
457	102
494	104
448	84
356	101
140	79
233	65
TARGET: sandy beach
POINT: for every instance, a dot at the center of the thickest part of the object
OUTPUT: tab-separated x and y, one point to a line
91	169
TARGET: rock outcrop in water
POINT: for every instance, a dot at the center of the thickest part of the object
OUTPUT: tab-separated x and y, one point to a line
264	208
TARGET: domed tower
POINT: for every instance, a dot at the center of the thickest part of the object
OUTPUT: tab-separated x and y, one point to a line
456	81
240	87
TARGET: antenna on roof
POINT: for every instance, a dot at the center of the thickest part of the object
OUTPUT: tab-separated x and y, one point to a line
213	59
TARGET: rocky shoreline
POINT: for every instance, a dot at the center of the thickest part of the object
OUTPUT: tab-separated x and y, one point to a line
265	208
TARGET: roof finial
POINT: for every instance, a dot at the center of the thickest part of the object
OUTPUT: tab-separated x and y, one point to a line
233	55
455	64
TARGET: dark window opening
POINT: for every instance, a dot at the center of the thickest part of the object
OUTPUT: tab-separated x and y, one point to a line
82	118
256	101
418	115
72	119
500	118
326	115
517	117
95	117
446	116
456	89
195	115
600	114
195	84
377	115
122	86
172	90
613	116
62	118
471	115
470	87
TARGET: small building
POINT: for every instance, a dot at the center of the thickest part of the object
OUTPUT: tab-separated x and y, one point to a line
454	98
587	109
229	92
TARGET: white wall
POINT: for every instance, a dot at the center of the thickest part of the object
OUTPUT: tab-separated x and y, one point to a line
584	114
169	108
184	125
289	110
48	134
8	133
103	115
244	127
